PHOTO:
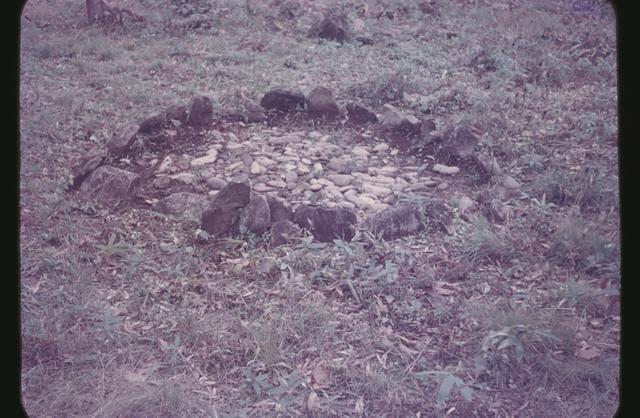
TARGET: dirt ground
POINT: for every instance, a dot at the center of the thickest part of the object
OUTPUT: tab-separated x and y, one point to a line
127	311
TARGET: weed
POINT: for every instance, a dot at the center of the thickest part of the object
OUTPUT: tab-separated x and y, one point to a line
480	243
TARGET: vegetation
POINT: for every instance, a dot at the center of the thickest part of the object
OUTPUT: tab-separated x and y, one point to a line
130	313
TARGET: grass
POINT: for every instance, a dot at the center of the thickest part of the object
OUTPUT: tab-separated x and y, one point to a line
128	313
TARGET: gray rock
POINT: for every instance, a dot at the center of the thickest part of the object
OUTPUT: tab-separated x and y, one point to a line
222	217
407	218
329	28
91	161
464	142
111	185
326	224
152	122
321	104
340	180
216	183
188	206
279	210
256	216
200	111
283	100
360	114
284	232
340	165
123	139
161	182
177	112
488	164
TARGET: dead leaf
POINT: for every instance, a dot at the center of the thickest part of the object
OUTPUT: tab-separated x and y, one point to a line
588	352
359	406
321	377
134	377
313	402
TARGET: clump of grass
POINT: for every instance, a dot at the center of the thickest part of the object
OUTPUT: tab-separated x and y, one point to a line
575	243
480	243
388	87
589	189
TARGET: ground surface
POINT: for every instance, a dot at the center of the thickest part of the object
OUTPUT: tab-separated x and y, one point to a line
128	312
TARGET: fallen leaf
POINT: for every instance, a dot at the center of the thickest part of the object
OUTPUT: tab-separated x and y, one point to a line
321	376
588	352
313	402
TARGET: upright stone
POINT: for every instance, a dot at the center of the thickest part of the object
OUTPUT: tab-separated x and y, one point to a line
256	216
283	100
321	104
123	139
222	218
200	111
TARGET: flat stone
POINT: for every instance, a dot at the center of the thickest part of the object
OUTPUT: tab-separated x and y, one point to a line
303	169
277	183
381	148
187	178
315	187
387	171
465	203
291	177
360	152
334	192
443	169
261	187
256	168
340	166
340	180
161	182
168	165
378	191
510	183
388	181
283	140
396	221
265	162
216	183
353	197
210	157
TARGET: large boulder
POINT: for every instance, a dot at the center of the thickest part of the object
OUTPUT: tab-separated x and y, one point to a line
188	206
279	210
200	111
222	217
283	100
284	232
406	218
329	28
111	185
326	224
122	140
321	104
91	161
256	216
152	122
360	114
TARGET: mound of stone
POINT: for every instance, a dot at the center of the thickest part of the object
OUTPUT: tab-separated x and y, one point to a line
189	206
200	111
360	115
122	140
329	28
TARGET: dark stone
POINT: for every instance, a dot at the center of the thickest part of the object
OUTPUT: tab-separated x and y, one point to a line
111	185
326	224
152	122
284	232
91	161
279	210
283	101
254	113
122	140
464	142
329	28
256	216
222	217
360	114
177	112
200	111
320	104
189	206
